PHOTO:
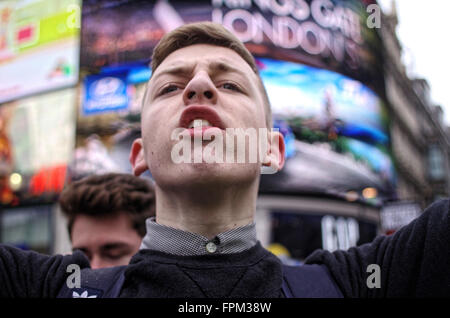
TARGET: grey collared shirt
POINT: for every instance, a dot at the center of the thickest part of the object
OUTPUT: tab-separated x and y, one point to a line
178	242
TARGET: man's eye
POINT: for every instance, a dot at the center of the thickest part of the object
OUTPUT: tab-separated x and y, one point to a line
231	86
168	89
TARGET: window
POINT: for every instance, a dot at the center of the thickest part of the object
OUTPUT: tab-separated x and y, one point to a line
27	228
435	163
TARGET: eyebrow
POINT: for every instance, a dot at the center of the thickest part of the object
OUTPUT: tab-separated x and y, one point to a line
182	70
111	246
221	67
106	247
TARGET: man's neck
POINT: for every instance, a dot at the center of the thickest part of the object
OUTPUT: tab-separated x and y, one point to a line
208	212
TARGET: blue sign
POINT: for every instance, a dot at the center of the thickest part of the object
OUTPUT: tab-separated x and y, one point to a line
105	93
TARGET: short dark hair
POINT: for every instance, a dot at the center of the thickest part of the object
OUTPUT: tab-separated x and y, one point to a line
109	194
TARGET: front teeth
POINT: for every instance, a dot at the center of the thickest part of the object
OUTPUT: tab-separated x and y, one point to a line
199	123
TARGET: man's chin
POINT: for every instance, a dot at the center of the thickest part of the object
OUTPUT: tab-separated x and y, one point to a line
210	175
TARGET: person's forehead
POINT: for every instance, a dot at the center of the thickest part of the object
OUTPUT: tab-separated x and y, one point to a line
211	57
102	223
99	230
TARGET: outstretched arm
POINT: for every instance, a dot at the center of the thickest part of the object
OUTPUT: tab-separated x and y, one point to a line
30	274
413	262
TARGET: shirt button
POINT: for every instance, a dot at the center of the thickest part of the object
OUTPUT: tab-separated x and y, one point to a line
211	247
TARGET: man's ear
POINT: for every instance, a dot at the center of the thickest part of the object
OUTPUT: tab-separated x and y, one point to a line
137	158
275	156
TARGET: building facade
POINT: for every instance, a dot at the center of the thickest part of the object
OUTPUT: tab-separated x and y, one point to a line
420	141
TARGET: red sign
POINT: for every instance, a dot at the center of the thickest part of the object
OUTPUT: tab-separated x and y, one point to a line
48	180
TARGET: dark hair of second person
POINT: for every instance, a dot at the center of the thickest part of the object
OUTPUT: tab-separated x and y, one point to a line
106	216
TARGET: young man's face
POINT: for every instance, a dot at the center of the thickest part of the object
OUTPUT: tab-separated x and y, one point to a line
198	82
107	241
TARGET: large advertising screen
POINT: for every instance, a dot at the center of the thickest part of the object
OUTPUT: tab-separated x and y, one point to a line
108	121
39	46
319	60
329	34
341	131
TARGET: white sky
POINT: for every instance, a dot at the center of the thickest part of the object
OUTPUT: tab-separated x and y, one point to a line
424	32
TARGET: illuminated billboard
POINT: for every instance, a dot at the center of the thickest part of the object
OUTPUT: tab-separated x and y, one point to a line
105	132
329	34
39	46
341	131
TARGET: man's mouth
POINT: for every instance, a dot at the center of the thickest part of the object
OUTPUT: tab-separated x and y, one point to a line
198	119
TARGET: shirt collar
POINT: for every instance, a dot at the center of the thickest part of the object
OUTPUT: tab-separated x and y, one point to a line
175	241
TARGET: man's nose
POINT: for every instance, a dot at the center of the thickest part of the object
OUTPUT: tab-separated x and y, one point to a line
200	89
